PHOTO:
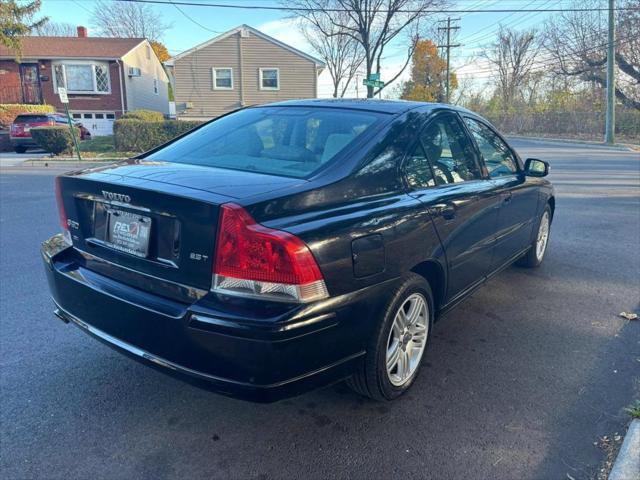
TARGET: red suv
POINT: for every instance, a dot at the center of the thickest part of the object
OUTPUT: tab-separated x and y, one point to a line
20	132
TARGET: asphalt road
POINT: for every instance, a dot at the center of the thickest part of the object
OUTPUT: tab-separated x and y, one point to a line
518	382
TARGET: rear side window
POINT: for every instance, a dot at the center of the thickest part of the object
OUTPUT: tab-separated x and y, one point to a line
418	170
31	119
449	151
290	141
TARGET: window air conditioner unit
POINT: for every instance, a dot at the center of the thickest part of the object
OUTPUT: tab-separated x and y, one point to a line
135	72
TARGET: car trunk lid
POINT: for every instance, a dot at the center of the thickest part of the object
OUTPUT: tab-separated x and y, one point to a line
156	219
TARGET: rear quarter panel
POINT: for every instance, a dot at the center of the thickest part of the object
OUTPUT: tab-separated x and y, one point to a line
371	201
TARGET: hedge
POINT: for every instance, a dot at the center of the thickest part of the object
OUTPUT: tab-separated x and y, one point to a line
9	111
55	140
138	136
145	115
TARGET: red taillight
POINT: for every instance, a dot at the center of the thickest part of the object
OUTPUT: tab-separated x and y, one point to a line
61	211
254	260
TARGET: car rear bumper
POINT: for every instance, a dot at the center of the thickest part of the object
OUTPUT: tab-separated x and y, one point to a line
229	350
22	142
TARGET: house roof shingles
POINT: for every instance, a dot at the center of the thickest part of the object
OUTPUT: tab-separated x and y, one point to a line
73	47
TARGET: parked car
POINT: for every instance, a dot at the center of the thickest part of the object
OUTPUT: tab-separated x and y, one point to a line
288	246
20	130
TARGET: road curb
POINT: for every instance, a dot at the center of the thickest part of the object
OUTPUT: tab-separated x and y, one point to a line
627	464
624	147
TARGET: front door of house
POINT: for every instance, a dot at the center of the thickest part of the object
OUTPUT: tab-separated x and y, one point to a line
30	78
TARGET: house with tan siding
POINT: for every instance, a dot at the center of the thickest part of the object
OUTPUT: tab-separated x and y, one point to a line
239	68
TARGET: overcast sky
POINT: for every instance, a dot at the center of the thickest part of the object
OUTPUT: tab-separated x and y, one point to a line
192	25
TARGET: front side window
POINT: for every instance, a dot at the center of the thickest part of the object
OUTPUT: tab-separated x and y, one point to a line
449	151
269	79
222	78
82	77
497	156
289	141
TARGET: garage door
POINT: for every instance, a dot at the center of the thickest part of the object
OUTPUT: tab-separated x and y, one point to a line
98	123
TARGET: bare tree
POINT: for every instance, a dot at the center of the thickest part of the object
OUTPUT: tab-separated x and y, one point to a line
577	43
341	53
513	54
128	20
55	29
374	24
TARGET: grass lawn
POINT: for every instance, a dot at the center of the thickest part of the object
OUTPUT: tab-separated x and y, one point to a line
101	147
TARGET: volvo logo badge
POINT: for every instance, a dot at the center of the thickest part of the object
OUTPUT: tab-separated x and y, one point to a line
118	197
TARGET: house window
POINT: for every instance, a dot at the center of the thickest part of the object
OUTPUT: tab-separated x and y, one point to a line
148	49
155	86
269	79
222	78
82	77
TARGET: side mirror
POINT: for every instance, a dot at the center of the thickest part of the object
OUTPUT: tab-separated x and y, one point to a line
534	167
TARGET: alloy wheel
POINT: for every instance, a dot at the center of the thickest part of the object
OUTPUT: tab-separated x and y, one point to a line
543	236
407	339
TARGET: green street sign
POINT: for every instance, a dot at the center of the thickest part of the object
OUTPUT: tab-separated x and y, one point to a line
374	76
373	83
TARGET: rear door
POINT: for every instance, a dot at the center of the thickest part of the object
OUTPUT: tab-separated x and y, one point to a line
518	199
444	173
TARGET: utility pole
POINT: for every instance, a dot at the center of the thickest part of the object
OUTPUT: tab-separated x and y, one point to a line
448	46
609	135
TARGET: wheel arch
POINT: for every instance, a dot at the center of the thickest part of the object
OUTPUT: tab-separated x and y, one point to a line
552	205
433	273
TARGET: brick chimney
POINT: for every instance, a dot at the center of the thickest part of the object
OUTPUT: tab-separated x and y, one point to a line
82	32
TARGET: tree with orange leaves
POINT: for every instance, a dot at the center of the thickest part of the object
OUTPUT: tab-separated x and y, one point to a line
428	75
160	50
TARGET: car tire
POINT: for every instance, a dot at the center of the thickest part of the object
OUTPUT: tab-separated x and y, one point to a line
20	149
534	256
374	379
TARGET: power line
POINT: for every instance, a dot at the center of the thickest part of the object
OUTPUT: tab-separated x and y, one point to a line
468	37
188	17
540	66
516	21
338	10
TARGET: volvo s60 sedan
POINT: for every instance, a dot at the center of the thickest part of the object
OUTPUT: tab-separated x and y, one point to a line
288	246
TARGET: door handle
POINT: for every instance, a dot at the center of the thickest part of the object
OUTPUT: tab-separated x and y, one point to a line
507	196
444	210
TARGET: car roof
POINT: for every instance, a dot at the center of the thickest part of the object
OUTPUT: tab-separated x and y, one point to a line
370	104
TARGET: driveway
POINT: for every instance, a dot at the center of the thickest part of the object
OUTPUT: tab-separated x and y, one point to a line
519	381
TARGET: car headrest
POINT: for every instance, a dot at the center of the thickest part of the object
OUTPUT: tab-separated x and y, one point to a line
335	142
434	152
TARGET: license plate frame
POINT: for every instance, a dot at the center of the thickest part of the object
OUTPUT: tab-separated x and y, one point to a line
128	232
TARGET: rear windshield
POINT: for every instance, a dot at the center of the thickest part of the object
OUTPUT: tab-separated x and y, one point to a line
290	141
31	119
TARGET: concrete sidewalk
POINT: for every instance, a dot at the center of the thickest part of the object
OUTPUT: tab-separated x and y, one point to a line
627	465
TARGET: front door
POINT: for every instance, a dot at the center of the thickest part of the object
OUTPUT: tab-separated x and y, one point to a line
462	202
30	80
519	199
